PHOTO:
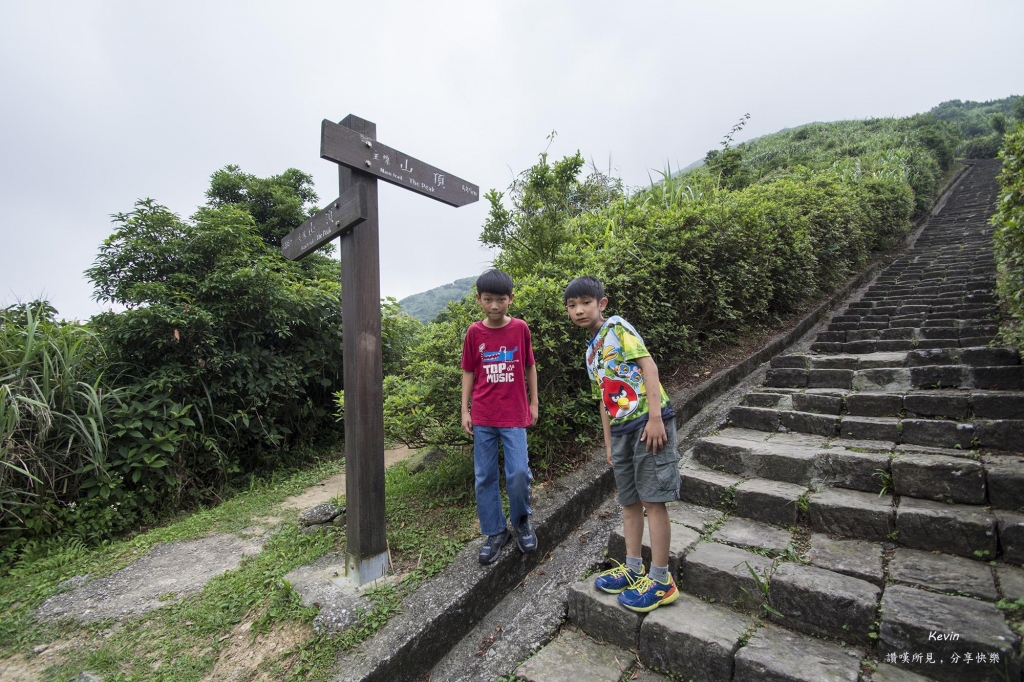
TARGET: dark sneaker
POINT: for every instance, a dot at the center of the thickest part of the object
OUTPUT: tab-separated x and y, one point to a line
525	537
491	550
617	579
646	594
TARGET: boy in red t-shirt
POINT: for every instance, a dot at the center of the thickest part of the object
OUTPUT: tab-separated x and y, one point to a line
499	375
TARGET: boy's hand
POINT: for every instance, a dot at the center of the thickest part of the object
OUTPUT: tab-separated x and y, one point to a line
654	434
534	415
467	422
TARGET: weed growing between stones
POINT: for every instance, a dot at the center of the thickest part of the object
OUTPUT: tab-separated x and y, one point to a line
885	480
762	585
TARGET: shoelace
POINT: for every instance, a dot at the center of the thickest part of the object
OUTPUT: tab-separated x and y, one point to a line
642	584
617	570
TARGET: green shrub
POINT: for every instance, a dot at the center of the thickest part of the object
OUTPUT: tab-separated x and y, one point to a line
986	147
695	259
1009	235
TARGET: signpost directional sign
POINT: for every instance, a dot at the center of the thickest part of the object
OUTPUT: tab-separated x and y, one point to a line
361	160
362	152
340	216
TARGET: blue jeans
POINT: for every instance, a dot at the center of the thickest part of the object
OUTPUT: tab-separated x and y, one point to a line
517	476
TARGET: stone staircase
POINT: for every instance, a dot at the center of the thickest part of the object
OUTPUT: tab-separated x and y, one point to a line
857	517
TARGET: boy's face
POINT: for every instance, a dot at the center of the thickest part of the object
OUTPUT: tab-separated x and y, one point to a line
587	312
495	306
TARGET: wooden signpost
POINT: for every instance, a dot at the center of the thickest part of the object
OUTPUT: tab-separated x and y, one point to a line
361	160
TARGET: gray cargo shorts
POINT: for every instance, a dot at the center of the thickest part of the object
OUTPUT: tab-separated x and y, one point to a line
642	476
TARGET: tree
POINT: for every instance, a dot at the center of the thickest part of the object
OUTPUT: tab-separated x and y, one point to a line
218	320
544	198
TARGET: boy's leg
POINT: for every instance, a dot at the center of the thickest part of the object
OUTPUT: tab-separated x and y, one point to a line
633	529
657	482
488	492
517	473
517	485
660	531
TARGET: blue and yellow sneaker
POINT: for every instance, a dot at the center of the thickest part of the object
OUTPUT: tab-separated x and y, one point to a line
646	594
617	579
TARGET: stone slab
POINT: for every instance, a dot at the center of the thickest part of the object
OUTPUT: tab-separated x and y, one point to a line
852	469
915	621
809	422
997	405
1011	535
856	558
936	477
890	379
943	573
705	487
572	657
1004	477
852	513
950	406
938	433
753	535
600	615
1001	434
1011	581
769	501
958	529
874	404
820	602
870	428
817	403
692	638
692	515
720	572
775	654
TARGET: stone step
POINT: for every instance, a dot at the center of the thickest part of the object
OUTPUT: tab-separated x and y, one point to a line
999	434
799	464
571	655
919	377
935	632
690	638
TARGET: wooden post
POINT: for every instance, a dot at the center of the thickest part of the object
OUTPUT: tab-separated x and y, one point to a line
367	552
361	160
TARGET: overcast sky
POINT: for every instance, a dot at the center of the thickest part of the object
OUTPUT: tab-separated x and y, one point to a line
103	103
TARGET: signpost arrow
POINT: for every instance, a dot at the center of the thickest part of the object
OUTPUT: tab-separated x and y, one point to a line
340	216
363	153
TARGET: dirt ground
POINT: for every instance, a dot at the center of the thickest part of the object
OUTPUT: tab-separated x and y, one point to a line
148	582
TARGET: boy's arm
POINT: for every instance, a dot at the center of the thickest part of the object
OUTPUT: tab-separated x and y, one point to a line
467	391
606	429
531	385
654	431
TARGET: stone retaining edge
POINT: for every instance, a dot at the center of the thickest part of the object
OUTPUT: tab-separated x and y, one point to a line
408	648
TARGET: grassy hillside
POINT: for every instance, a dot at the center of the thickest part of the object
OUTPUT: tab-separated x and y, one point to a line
425	305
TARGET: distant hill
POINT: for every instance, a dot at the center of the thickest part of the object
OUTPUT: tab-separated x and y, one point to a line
425	305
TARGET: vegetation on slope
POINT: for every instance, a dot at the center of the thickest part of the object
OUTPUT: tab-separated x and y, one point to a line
758	232
425	305
1009	235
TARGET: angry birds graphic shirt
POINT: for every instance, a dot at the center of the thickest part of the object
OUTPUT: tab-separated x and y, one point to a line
498	359
617	380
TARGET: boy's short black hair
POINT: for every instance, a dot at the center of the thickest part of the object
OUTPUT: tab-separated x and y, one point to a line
584	287
494	282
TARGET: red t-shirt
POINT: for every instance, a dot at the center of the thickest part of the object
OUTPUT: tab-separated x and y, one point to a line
498	358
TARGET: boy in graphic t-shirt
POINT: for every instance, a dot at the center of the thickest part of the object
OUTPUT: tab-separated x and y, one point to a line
640	444
499	378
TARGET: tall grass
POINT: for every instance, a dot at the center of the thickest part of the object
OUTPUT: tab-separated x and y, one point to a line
52	408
